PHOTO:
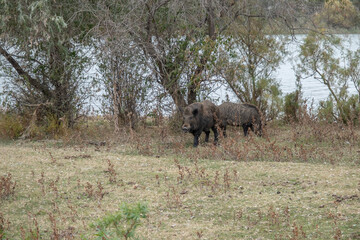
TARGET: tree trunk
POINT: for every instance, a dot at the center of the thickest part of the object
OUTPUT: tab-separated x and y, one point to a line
60	79
196	80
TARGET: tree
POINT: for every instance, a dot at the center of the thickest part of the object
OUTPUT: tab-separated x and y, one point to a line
124	77
339	13
249	61
180	38
44	56
318	59
176	38
353	69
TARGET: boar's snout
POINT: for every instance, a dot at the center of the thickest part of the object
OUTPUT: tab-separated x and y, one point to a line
186	127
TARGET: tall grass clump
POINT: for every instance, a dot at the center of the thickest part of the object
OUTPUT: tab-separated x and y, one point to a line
7	186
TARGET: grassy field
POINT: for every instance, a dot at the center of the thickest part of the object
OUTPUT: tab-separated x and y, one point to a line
299	182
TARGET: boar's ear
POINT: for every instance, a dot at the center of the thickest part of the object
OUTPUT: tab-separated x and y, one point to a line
195	111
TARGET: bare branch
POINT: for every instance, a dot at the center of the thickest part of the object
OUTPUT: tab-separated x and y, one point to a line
26	76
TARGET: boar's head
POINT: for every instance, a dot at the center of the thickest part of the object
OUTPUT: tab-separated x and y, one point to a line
192	117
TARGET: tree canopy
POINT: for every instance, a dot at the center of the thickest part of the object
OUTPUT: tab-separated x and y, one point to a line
178	47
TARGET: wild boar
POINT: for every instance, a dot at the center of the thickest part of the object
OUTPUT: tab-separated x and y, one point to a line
240	114
199	117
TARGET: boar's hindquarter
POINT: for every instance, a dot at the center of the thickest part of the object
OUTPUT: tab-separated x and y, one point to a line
240	114
199	117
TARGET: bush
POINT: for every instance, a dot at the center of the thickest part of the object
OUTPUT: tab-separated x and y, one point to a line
326	110
11	126
175	122
122	224
56	127
291	106
350	107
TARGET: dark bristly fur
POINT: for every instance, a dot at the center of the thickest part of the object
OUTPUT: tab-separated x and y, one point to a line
240	114
199	117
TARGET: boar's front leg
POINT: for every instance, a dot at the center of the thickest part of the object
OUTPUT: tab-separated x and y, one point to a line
196	139
245	128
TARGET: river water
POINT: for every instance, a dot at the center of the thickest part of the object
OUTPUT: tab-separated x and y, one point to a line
312	88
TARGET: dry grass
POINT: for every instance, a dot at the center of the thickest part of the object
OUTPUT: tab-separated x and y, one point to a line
300	182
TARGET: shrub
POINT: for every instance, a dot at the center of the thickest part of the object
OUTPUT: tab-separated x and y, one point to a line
350	110
291	106
326	110
174	122
122	224
55	126
11	126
